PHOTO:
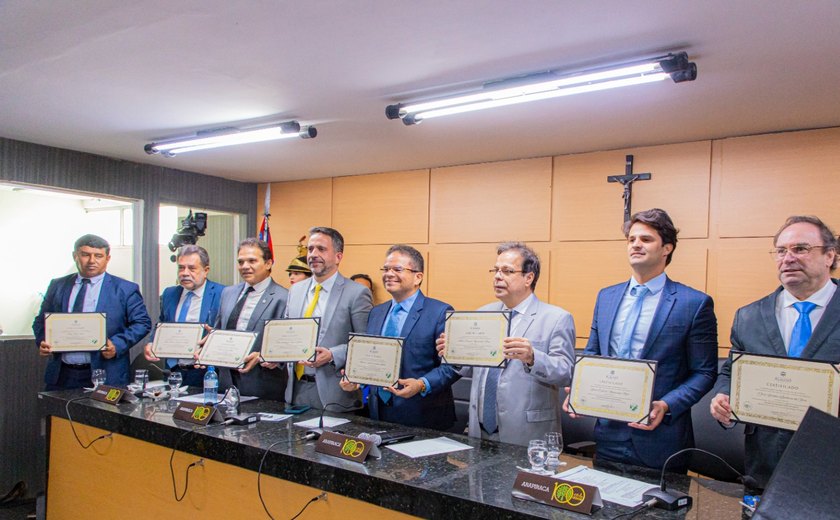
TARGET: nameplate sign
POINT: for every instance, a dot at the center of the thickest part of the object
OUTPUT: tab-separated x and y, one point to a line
555	492
108	394
200	414
343	446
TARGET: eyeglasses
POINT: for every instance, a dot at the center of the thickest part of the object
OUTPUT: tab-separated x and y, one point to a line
397	269
798	250
504	271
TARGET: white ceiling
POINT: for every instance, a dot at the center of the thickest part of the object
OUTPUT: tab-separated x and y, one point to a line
107	77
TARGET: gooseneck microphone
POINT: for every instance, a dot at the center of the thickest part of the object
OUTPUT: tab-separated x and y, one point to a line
316	433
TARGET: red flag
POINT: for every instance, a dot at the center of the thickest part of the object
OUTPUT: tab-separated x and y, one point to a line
265	232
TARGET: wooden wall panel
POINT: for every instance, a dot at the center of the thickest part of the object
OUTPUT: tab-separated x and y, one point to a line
459	274
587	207
385	208
766	178
296	206
491	202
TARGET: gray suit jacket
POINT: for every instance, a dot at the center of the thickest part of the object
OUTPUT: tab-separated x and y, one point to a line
347	311
756	330
260	382
528	400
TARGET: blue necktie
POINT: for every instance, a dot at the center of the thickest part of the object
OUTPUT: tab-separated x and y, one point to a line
390	330
625	345
801	329
79	304
491	391
185	307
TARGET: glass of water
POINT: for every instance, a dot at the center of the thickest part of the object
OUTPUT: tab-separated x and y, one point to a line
97	377
141	379
175	379
554	445
537	455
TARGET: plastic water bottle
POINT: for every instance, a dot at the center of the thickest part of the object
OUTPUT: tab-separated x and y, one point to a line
211	386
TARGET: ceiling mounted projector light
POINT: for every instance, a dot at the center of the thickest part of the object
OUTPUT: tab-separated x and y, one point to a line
549	85
204	140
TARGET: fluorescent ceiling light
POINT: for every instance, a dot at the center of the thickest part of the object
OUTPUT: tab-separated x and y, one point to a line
230	136
549	85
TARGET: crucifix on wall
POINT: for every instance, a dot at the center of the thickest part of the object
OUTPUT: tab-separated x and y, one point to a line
627	181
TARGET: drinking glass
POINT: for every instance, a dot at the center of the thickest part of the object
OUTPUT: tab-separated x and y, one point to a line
537	455
175	379
554	445
141	378
97	377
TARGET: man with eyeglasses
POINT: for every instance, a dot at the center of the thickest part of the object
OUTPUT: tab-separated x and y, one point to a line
799	319
521	401
423	393
653	317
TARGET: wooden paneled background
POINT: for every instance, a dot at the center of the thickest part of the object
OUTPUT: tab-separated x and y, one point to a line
727	196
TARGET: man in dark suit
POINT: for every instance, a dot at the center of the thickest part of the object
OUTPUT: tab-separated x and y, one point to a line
423	393
194	300
801	319
245	307
652	317
93	290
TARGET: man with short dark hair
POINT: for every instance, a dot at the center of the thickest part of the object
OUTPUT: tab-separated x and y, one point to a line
423	393
652	317
800	319
521	401
92	289
195	299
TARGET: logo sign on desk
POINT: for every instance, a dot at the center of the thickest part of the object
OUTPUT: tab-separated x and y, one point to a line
556	492
200	414
344	446
108	394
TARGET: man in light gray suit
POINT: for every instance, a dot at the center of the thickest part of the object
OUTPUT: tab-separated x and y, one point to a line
343	307
245	307
799	319
522	401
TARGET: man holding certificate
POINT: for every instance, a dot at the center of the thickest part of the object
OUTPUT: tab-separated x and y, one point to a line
194	300
651	317
799	320
520	400
92	292
423	394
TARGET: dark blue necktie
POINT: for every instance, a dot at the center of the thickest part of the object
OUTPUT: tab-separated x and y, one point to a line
491	391
185	307
801	329
391	331
79	304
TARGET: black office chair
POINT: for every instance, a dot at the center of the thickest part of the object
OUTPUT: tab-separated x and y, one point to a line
461	392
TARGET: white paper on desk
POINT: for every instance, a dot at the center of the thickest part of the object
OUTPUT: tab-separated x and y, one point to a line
199	398
619	490
428	447
329	422
273	417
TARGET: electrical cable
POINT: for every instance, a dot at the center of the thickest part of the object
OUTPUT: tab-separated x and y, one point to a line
259	472
199	462
72	427
647	505
323	495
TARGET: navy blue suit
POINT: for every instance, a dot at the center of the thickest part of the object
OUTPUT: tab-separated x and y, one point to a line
683	341
127	322
424	323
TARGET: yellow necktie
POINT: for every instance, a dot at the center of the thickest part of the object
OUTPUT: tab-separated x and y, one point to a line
310	309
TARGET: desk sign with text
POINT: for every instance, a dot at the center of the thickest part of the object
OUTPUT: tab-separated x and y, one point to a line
344	446
291	339
227	348
777	391
200	414
556	492
612	388
476	338
75	331
177	340
108	394
373	360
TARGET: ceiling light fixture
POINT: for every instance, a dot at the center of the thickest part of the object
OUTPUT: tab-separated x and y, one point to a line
549	85
216	138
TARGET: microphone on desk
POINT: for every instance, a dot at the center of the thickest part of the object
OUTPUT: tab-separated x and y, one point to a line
163	371
315	433
673	499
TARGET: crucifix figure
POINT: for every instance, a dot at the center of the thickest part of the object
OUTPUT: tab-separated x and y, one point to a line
627	181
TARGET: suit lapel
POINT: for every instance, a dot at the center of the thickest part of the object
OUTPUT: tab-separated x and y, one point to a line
413	315
666	303
527	319
607	316
262	305
65	292
377	318
771	325
231	303
104	292
172	304
206	302
332	302
828	323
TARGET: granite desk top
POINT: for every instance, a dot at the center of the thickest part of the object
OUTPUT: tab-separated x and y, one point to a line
474	483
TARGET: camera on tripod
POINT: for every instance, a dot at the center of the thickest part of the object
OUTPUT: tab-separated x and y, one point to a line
192	227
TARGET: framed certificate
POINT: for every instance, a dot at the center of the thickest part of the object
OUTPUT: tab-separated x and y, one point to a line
177	340
227	348
291	339
373	360
476	338
612	388
75	331
777	391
